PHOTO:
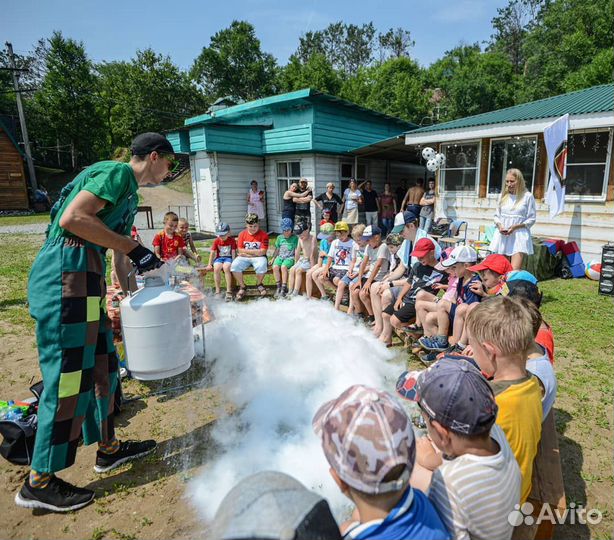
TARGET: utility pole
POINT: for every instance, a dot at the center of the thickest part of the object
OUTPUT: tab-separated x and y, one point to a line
22	119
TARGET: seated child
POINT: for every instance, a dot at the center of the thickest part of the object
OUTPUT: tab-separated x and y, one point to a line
492	271
168	244
283	256
356	257
526	288
373	268
326	235
368	441
184	230
437	325
223	251
326	217
538	362
476	482
306	256
501	334
339	257
380	288
252	246
423	277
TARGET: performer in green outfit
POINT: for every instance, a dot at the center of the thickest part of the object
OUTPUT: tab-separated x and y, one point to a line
66	293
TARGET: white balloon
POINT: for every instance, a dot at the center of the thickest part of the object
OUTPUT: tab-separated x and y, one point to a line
432	165
440	158
428	153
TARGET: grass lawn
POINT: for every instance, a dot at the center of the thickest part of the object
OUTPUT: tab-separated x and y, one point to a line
24	220
583	325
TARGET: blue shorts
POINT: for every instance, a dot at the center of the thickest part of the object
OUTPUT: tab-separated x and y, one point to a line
222	260
240	264
348	280
451	314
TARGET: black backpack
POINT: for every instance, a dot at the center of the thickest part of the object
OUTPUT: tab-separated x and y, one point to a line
18	435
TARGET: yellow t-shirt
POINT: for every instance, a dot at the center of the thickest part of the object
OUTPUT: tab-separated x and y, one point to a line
520	418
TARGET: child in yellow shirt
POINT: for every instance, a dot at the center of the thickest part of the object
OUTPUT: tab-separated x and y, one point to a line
501	334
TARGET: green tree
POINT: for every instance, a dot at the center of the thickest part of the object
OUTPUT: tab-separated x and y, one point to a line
567	36
149	93
473	82
234	64
65	105
316	73
395	43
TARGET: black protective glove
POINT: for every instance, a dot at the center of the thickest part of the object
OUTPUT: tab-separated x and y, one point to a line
144	259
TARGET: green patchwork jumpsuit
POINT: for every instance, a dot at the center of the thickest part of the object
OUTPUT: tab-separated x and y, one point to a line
66	293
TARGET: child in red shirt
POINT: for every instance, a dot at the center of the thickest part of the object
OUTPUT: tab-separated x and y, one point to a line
326	217
252	246
168	244
223	251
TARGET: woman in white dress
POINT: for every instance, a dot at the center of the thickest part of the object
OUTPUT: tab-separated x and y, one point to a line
352	197
514	217
255	200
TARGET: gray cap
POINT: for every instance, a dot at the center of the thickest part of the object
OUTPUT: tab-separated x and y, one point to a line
454	392
273	505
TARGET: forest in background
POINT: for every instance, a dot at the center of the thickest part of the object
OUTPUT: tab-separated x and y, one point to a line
79	111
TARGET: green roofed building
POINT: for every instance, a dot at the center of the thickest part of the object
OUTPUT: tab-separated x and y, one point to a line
280	139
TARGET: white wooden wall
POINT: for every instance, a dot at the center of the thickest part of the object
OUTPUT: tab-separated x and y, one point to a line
589	224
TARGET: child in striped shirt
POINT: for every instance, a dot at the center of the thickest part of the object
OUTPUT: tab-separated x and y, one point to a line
475	481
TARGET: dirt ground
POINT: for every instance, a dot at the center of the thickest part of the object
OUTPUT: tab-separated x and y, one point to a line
141	500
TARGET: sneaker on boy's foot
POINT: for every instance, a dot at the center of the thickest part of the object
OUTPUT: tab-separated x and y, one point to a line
428	358
278	291
435	343
284	291
57	496
128	451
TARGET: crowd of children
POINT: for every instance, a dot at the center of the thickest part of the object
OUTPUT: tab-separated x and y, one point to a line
487	389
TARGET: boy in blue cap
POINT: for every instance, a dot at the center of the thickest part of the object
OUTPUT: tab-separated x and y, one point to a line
476	481
283	257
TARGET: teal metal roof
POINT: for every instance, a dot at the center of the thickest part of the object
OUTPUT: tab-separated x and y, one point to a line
590	100
305	95
10	136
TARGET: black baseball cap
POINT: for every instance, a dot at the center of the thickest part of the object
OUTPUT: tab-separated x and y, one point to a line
454	393
145	143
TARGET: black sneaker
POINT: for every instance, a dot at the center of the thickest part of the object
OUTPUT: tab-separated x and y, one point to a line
57	496
284	291
128	451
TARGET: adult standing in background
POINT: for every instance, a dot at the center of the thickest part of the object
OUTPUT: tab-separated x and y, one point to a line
352	197
514	217
413	196
388	205
329	200
291	197
255	200
371	202
427	205
303	203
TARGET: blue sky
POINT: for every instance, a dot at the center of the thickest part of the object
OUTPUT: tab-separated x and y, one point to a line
115	29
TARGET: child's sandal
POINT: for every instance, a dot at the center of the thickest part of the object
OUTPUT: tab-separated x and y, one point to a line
262	290
228	296
240	294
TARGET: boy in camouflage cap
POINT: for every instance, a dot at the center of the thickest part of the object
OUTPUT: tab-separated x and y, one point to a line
369	443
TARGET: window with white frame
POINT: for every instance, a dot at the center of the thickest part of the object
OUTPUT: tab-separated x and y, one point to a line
347	172
513	153
460	172
287	172
587	160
